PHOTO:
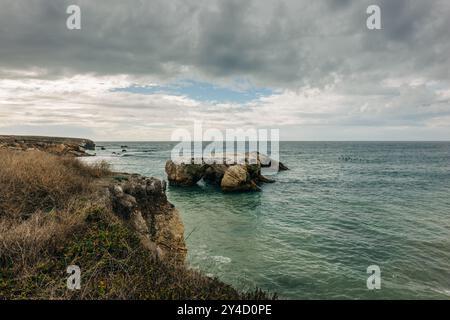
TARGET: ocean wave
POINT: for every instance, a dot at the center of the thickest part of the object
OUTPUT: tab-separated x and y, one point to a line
221	259
136	155
443	291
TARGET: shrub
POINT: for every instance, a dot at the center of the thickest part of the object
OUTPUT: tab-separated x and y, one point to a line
51	217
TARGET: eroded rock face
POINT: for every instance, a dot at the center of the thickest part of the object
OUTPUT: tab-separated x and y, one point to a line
142	202
184	174
238	178
242	173
214	173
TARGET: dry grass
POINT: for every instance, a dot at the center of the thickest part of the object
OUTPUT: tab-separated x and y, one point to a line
43	201
51	217
33	181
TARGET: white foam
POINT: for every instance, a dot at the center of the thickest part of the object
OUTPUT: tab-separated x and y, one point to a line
221	259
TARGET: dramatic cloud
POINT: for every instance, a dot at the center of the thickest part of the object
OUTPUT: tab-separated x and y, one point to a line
312	69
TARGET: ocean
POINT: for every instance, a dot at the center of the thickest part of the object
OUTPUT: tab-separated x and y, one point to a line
342	207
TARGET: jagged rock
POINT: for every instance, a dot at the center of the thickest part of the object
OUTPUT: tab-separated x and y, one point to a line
236	172
266	161
237	178
214	173
264	179
140	226
122	203
184	174
143	203
282	167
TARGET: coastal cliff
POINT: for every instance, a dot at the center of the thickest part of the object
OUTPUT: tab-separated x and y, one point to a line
55	145
119	229
143	204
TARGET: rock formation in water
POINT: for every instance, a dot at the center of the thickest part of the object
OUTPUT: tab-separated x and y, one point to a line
184	174
59	146
241	174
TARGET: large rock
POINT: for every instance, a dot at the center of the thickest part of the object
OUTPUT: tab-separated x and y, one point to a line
142	202
237	178
236	172
214	173
184	174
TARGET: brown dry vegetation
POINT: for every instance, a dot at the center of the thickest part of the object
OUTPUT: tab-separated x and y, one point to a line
51	217
32	181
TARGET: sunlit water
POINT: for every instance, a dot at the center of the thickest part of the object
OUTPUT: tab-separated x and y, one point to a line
342	207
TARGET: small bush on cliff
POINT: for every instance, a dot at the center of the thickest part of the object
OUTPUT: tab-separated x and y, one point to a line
51	217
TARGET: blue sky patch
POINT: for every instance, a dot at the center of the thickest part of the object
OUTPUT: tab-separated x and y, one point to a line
203	91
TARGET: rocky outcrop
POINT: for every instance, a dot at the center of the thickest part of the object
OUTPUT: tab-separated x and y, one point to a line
55	145
266	162
143	204
237	178
184	174
214	173
241	174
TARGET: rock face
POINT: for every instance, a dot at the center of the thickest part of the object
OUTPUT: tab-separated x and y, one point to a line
55	145
237	178
142	202
184	174
214	173
243	174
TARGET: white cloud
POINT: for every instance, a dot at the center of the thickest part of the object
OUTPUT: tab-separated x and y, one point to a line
88	101
332	78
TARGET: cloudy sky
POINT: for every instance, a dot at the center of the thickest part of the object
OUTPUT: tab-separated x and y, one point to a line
137	70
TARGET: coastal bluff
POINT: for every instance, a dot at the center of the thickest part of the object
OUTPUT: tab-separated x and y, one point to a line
240	172
62	146
120	229
142	203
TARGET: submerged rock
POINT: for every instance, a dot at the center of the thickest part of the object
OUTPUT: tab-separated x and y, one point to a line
266	161
238	172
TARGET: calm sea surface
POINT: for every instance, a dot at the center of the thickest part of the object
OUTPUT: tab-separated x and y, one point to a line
342	207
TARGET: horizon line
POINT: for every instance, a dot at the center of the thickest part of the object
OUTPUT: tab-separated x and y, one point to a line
177	141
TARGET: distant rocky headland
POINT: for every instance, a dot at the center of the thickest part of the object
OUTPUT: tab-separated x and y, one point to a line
55	145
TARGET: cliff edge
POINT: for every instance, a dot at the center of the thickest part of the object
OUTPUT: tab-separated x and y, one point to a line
142	203
119	229
56	145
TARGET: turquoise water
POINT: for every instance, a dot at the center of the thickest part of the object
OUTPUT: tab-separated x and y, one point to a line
311	235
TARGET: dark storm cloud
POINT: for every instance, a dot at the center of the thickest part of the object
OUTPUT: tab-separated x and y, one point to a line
277	43
319	60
